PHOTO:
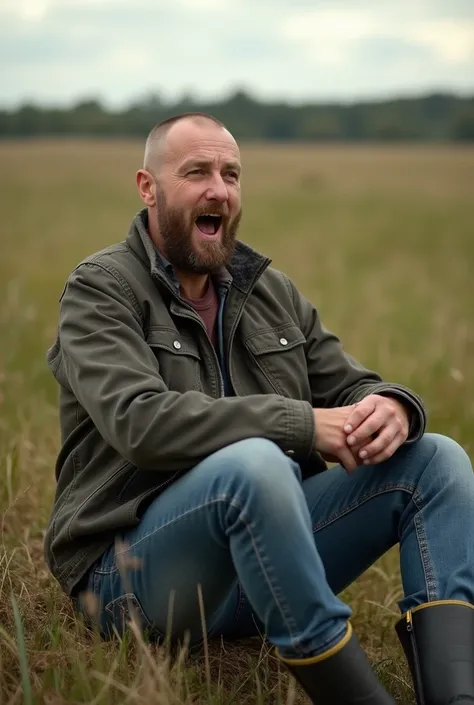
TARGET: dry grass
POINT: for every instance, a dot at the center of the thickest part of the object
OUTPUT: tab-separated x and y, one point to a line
380	238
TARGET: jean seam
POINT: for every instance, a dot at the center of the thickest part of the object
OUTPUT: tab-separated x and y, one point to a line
106	571
266	571
287	618
417	498
334	639
430	581
392	487
221	498
240	603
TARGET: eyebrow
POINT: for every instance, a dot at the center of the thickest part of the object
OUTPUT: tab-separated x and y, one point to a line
204	163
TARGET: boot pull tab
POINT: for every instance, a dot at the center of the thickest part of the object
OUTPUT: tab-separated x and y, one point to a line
409	621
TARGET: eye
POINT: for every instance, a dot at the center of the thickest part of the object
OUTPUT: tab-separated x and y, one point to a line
196	172
233	175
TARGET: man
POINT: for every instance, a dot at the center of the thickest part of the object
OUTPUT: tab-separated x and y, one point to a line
199	396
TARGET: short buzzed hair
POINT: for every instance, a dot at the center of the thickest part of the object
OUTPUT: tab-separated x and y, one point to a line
156	138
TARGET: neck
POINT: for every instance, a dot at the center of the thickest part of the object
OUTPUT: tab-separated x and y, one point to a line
193	286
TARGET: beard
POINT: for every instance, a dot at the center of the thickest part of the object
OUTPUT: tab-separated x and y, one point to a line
176	232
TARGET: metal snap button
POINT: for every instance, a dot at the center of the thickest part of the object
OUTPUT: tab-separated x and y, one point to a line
177	345
283	341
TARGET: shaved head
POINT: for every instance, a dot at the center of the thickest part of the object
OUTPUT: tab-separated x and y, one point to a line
155	146
190	183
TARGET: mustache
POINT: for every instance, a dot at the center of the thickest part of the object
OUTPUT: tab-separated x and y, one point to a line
211	210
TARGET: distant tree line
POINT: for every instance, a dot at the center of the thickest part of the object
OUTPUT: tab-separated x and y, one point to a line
435	117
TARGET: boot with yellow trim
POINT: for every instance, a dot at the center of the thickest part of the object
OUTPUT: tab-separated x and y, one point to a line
438	640
340	676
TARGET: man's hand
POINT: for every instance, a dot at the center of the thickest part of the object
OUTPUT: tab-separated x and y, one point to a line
377	426
331	439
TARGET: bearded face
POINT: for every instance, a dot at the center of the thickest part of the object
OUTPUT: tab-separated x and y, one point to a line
197	240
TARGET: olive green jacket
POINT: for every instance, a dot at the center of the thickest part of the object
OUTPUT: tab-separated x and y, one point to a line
142	395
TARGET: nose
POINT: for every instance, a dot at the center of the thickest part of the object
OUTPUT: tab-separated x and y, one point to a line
217	189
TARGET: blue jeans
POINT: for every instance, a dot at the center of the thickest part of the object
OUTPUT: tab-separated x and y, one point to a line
271	552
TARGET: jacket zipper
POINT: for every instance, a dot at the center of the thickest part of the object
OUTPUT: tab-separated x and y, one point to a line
416	662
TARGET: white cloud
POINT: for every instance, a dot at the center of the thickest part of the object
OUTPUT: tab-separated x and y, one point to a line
327	35
205	5
452	40
330	35
64	50
127	60
339	25
33	9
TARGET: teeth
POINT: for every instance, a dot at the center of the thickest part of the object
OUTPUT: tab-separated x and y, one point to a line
210	215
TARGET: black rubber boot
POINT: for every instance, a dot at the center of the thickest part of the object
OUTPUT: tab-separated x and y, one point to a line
340	676
438	640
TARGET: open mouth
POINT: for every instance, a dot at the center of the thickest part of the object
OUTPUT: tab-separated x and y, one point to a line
209	223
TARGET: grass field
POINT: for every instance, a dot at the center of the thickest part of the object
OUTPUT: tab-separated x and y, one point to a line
382	240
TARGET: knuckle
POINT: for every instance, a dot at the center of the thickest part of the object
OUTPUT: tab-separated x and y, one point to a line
377	447
373	427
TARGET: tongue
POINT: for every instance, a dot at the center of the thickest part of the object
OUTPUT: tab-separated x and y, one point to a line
206	226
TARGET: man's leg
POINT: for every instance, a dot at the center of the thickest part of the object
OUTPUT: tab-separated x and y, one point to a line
421	498
239	515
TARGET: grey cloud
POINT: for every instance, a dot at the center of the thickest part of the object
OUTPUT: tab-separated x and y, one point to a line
45	48
124	49
390	52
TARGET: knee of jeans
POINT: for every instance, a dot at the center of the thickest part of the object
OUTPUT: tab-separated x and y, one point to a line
262	463
452	464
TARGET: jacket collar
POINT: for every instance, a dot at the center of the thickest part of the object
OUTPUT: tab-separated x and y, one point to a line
241	271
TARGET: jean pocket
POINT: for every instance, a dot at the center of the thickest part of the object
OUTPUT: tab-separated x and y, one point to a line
125	609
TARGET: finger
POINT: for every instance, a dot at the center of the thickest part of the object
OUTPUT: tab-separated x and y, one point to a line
347	460
360	412
371	425
382	440
357	447
387	452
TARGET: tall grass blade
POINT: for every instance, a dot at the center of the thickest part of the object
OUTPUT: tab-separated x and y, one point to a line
25	677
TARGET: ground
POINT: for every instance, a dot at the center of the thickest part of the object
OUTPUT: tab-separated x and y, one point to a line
380	238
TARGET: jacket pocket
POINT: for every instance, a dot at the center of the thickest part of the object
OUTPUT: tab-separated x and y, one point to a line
90	515
178	358
141	488
279	354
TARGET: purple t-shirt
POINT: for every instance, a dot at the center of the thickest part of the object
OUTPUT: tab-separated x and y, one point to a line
207	308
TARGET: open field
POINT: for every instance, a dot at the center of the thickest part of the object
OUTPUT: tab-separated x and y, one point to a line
382	239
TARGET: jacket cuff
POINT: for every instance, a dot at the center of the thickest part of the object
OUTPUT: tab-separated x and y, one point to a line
412	402
300	436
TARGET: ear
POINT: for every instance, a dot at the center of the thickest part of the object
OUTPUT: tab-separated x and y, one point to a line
146	187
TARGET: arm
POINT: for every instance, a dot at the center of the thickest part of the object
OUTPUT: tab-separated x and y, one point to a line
116	378
337	379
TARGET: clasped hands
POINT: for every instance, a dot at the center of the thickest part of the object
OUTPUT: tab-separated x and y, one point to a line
364	433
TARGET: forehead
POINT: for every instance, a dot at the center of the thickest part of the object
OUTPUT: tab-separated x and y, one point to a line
189	140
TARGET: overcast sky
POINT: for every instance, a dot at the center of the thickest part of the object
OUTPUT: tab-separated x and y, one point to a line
60	51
